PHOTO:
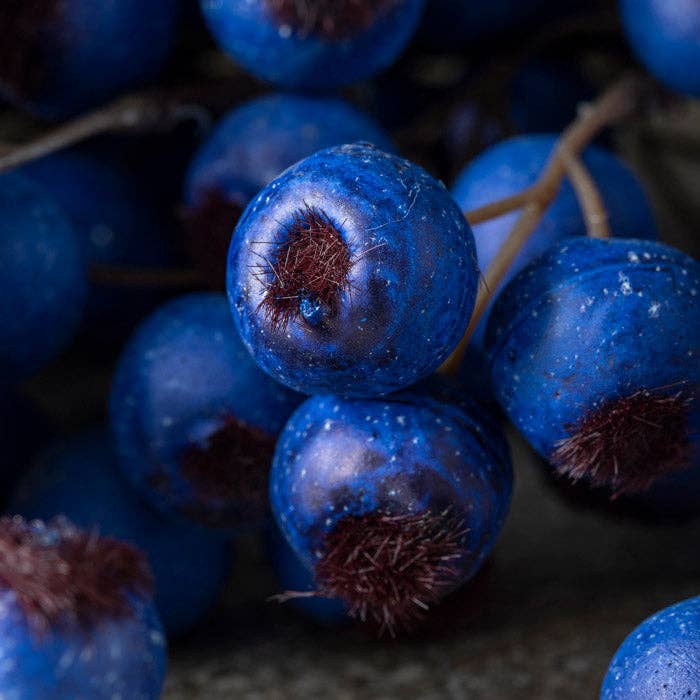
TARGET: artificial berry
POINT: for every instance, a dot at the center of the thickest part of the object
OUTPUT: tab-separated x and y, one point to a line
353	272
193	417
61	57
593	354
665	35
317	44
77	616
391	503
42	278
80	479
660	660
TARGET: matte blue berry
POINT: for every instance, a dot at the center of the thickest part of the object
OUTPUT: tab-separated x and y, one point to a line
397	265
515	164
313	52
80	479
42	278
69	68
593	321
255	142
183	379
122	656
116	224
665	35
423	450
660	660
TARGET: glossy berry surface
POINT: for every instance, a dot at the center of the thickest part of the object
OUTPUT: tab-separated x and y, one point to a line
77	619
665	35
354	272
315	45
115	224
250	147
55	68
194	419
80	479
416	485
42	278
515	164
593	354
660	660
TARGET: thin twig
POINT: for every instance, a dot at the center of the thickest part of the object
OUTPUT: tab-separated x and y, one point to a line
620	100
589	197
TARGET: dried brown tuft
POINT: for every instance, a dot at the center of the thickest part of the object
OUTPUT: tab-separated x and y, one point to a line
628	443
310	260
232	467
24	42
208	230
390	569
333	20
62	575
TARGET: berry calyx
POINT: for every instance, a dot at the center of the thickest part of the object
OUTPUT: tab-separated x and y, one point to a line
391	569
62	575
231	466
307	272
628	443
209	226
332	20
22	51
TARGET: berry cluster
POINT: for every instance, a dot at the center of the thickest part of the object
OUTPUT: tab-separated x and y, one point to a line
325	351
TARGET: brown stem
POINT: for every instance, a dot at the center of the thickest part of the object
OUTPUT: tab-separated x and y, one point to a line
589	197
141	112
617	102
145	278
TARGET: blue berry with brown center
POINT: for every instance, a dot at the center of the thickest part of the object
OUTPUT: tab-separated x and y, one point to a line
391	504
354	272
593	351
660	660
313	44
194	419
250	147
77	616
60	57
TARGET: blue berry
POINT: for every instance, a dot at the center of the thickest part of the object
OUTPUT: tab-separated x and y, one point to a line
321	44
115	225
665	35
80	480
380	246
77	618
593	353
194	419
42	279
515	164
391	504
51	65
660	660
251	146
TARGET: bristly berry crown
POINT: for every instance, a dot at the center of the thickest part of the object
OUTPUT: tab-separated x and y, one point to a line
231	467
209	227
307	271
64	576
333	20
628	443
389	570
24	42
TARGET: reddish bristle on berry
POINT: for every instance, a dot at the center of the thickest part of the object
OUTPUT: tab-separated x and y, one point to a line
389	570
332	20
233	468
62	575
628	443
208	230
24	42
310	258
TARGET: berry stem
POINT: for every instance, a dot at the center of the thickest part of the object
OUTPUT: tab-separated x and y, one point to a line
616	103
589	197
